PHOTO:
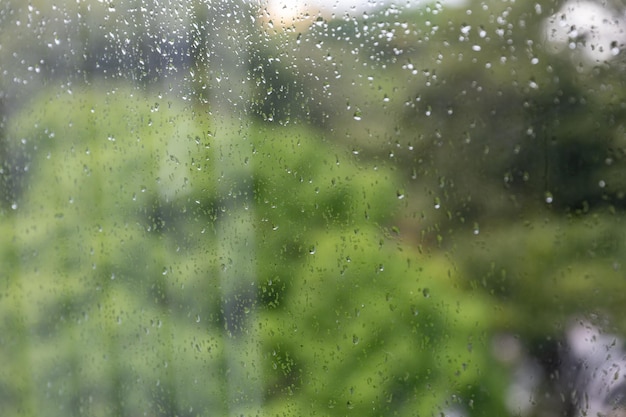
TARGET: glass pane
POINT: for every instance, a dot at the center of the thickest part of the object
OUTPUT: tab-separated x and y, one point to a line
263	208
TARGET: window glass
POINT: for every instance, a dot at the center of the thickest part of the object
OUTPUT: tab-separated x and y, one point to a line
348	208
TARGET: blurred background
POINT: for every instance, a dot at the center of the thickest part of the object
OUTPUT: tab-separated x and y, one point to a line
359	208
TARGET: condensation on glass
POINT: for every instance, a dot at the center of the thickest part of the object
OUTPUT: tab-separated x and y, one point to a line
349	208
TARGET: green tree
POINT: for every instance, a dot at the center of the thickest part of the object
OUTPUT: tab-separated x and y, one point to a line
115	267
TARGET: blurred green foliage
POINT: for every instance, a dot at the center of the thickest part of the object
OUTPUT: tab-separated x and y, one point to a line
113	269
397	191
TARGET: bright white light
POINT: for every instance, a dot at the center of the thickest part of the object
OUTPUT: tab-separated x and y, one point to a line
284	11
288	11
586	27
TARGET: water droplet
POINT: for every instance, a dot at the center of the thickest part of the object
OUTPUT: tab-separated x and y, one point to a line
549	198
426	292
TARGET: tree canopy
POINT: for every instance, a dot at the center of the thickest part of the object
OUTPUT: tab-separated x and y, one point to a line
393	213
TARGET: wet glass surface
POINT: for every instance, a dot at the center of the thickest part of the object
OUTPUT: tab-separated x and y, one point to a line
359	208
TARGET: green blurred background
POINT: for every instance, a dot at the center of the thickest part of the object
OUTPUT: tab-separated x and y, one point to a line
208	212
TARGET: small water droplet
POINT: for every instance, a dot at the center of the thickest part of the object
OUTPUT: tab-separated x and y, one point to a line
549	198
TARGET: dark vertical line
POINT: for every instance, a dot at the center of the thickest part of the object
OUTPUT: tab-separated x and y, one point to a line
546	164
